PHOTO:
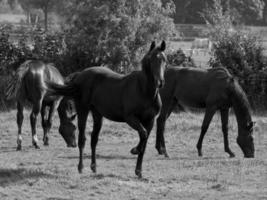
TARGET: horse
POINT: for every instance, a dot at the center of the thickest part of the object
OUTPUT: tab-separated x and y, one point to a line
29	85
213	89
133	99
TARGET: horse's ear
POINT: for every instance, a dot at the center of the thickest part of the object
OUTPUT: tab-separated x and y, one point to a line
163	46
152	46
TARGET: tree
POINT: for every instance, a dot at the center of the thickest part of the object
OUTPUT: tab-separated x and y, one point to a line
45	5
116	32
241	53
246	11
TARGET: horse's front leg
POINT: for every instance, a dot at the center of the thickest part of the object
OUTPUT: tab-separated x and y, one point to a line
210	111
135	123
19	123
224	119
160	140
98	119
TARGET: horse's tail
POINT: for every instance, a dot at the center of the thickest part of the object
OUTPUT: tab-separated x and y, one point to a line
69	90
15	82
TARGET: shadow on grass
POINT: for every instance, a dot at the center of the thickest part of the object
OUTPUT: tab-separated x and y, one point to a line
104	157
21	176
29	148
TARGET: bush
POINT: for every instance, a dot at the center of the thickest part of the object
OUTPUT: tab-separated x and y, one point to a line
241	53
116	33
178	58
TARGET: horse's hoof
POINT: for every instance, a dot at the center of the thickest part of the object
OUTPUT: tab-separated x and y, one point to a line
19	148
93	168
159	150
200	154
138	173
36	146
232	155
166	155
46	143
134	151
80	168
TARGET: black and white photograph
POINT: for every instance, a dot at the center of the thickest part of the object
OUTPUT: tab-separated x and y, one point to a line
133	99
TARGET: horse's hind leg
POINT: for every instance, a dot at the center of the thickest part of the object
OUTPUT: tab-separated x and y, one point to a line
82	113
98	119
210	111
224	119
19	123
166	110
44	122
33	117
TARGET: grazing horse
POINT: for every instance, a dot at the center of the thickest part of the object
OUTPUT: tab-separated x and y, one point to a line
132	98
213	89
29	85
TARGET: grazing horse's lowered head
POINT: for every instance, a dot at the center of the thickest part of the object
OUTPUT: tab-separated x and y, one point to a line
245	140
67	114
242	111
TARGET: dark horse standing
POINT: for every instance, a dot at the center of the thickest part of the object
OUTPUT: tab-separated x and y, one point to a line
30	85
213	89
133	99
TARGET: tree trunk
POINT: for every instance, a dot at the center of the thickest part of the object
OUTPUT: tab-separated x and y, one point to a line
46	17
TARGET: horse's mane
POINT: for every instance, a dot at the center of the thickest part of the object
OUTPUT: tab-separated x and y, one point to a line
239	97
220	73
145	62
238	93
14	83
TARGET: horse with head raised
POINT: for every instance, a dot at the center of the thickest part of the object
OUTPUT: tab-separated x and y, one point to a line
213	89
29	85
133	99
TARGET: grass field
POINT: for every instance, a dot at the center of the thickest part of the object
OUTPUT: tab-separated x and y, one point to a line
51	172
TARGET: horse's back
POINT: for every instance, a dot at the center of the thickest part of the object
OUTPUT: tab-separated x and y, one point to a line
195	87
107	91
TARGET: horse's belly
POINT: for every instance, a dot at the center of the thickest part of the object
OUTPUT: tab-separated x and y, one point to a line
109	110
49	98
192	102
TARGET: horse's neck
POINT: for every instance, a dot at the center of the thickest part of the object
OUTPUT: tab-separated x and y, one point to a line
241	109
149	87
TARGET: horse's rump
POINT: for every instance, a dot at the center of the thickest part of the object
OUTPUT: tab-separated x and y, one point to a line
15	81
30	79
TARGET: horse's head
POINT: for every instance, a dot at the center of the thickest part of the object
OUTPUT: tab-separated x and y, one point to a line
155	62
245	140
66	114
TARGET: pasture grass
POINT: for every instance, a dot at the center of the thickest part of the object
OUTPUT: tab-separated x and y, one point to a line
51	172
